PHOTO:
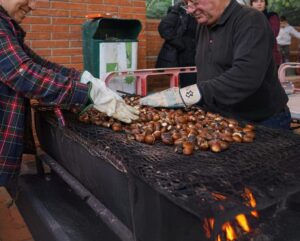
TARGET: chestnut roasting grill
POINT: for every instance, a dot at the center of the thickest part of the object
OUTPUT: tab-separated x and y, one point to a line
161	195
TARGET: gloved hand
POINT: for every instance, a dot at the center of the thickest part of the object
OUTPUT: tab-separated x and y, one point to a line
107	101
173	97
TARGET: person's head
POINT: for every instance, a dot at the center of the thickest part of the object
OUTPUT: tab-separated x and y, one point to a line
260	5
18	9
283	21
207	12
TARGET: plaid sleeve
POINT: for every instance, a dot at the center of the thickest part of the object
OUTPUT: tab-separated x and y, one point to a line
23	74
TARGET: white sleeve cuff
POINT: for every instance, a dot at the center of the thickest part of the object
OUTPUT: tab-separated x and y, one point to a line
190	95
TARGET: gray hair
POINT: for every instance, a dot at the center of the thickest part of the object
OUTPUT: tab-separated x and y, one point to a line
244	2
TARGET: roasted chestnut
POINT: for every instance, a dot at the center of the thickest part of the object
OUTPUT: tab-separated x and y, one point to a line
190	129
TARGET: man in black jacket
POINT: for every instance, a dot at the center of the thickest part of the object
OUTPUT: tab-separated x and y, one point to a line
236	71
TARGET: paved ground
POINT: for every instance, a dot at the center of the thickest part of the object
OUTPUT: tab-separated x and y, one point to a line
12	225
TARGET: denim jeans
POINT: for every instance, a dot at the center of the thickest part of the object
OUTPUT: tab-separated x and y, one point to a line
281	120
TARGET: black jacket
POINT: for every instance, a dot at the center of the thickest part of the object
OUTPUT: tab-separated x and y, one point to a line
236	70
178	29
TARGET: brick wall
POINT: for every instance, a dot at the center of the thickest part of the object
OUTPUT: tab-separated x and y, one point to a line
54	27
154	42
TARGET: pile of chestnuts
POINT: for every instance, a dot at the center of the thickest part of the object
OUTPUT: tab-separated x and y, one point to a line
188	130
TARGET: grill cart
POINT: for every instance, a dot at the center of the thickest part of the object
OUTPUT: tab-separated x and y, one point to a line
104	186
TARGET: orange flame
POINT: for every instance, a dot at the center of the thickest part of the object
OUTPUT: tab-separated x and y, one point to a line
251	201
218	196
254	213
208	226
229	231
250	197
242	221
212	223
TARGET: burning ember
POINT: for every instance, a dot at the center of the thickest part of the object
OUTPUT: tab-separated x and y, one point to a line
231	230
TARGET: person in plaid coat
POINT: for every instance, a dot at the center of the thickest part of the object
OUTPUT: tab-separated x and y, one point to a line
24	75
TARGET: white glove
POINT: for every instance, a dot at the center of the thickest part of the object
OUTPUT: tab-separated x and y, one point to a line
107	101
173	97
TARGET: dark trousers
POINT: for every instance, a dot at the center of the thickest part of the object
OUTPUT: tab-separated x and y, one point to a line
281	120
285	53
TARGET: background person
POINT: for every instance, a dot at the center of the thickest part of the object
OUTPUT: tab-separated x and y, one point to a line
236	73
284	38
178	29
25	75
261	5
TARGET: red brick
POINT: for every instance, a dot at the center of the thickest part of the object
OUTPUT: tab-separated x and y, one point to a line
43	52
60	59
139	3
42	4
36	20
50	44
51	12
118	2
75	43
38	36
102	8
76	59
76	66
83	1
78	13
96	1
76	28
66	52
49	28
63	5
67	36
67	21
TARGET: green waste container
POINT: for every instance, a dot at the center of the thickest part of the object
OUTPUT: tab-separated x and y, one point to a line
110	44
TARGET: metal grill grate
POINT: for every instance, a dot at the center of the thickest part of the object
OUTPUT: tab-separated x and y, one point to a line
269	167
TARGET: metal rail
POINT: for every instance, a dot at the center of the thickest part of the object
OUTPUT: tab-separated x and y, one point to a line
141	76
105	214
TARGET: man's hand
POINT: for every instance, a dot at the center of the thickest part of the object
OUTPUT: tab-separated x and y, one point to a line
107	101
173	97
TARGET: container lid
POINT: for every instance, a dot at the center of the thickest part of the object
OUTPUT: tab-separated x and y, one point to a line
98	15
99	27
